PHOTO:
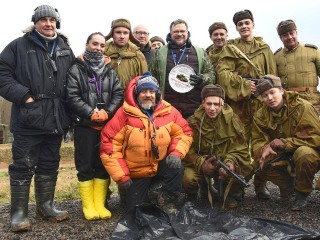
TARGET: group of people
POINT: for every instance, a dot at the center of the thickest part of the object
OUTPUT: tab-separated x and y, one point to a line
243	106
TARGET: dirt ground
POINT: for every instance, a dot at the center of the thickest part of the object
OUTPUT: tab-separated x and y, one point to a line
79	228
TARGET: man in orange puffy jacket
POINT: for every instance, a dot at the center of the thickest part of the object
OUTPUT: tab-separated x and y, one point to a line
145	142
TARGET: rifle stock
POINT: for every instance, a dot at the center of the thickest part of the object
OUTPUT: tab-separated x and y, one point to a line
287	156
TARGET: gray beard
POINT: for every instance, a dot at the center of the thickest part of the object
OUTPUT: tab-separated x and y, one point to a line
147	106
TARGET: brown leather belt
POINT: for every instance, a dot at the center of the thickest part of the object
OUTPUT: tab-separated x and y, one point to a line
303	89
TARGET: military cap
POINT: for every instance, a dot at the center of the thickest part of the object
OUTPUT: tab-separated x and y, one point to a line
212	90
267	82
157	38
286	26
245	14
121	22
217	25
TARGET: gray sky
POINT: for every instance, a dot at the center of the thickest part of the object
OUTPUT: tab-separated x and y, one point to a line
80	18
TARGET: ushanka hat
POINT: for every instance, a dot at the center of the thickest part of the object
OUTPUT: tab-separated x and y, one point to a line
217	25
212	90
267	82
245	14
286	26
157	38
121	22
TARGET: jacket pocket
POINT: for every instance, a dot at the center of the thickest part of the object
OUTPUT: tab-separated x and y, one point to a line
31	115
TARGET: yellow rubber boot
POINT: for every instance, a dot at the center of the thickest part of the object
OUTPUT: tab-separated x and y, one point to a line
100	187
86	194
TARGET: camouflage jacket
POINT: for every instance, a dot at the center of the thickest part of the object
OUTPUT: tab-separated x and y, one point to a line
223	136
128	61
297	124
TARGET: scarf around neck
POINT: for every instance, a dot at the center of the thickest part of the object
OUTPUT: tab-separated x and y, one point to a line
95	60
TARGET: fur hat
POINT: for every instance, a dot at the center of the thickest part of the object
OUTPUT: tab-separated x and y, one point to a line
286	26
212	90
157	38
121	22
267	82
245	14
217	25
46	11
146	81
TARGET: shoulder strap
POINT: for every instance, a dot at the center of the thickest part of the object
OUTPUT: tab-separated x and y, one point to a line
248	60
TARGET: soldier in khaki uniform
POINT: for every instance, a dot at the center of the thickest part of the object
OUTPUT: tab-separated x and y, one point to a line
241	59
217	131
298	64
124	50
286	123
218	33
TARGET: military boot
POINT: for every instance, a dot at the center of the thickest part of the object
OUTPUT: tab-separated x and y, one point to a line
167	202
262	193
44	193
300	201
19	205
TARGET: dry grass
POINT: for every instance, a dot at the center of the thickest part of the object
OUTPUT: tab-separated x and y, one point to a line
66	189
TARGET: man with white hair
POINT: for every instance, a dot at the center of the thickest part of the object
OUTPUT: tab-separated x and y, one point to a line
33	77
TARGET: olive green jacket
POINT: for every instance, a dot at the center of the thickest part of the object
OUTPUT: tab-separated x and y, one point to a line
213	54
159	67
233	69
128	61
300	67
297	124
223	136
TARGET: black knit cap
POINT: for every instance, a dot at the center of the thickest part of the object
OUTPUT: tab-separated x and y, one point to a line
212	90
245	14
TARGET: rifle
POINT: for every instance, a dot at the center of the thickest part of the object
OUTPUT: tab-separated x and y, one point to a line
239	179
287	156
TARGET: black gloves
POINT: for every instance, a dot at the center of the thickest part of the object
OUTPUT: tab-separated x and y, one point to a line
125	185
195	79
173	161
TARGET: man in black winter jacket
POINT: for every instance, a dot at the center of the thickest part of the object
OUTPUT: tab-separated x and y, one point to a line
33	77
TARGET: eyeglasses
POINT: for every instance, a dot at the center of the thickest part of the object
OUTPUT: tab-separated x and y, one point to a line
141	33
179	31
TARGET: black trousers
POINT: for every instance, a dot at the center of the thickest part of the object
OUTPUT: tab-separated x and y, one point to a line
172	185
86	153
35	154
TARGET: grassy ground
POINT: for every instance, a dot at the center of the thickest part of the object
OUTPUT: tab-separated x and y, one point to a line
66	188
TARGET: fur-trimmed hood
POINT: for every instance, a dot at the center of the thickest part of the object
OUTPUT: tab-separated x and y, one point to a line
30	28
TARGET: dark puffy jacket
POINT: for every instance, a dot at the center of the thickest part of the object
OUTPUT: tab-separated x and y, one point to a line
82	95
27	69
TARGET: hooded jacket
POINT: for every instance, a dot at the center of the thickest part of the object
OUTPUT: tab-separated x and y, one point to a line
82	96
126	140
222	137
296	125
128	61
27	69
234	69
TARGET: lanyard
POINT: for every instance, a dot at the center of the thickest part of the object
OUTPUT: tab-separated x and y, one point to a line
98	86
174	58
53	47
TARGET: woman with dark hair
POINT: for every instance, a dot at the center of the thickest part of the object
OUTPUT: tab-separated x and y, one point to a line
94	93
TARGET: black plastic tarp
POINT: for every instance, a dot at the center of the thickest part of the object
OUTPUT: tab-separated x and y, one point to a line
147	221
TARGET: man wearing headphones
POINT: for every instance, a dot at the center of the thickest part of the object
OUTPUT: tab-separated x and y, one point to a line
33	77
145	142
